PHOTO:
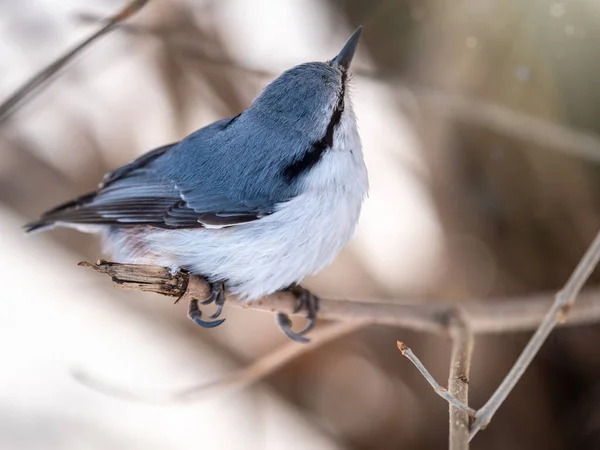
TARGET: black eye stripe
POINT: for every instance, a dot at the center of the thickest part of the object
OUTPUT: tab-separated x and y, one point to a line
313	154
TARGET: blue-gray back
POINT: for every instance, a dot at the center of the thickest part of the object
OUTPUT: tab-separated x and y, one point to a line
246	159
232	171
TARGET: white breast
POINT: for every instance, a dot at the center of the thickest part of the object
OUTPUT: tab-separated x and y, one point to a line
303	236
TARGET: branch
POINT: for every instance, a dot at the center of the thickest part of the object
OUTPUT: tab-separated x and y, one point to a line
508	122
557	314
462	348
425	316
237	379
494	316
458	383
11	104
439	390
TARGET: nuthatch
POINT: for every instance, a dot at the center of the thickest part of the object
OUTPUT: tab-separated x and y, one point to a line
253	203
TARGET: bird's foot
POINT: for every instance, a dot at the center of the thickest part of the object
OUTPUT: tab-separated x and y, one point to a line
195	314
217	295
307	301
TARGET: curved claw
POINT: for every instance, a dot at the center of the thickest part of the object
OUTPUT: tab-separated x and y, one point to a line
306	300
207	324
195	314
218	311
285	324
217	294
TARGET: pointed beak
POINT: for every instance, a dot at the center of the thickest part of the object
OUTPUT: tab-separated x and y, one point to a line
344	58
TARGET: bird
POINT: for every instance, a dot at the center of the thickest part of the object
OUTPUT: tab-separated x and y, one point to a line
252	203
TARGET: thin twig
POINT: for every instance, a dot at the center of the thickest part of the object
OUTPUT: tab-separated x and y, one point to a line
439	390
11	104
237	379
558	313
458	382
494	316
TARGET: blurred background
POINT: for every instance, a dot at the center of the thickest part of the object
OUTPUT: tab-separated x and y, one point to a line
479	122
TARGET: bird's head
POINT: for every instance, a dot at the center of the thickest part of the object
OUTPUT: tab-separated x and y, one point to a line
312	96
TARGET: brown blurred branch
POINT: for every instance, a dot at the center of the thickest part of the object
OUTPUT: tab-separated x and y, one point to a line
237	379
494	316
11	104
508	122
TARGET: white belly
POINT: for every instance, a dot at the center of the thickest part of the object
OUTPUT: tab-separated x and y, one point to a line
261	257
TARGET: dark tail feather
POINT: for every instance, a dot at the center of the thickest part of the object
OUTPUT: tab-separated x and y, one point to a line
37	226
49	218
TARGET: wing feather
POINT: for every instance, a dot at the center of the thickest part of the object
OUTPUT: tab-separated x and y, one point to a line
140	193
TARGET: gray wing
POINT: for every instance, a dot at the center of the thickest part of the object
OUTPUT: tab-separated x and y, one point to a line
143	193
